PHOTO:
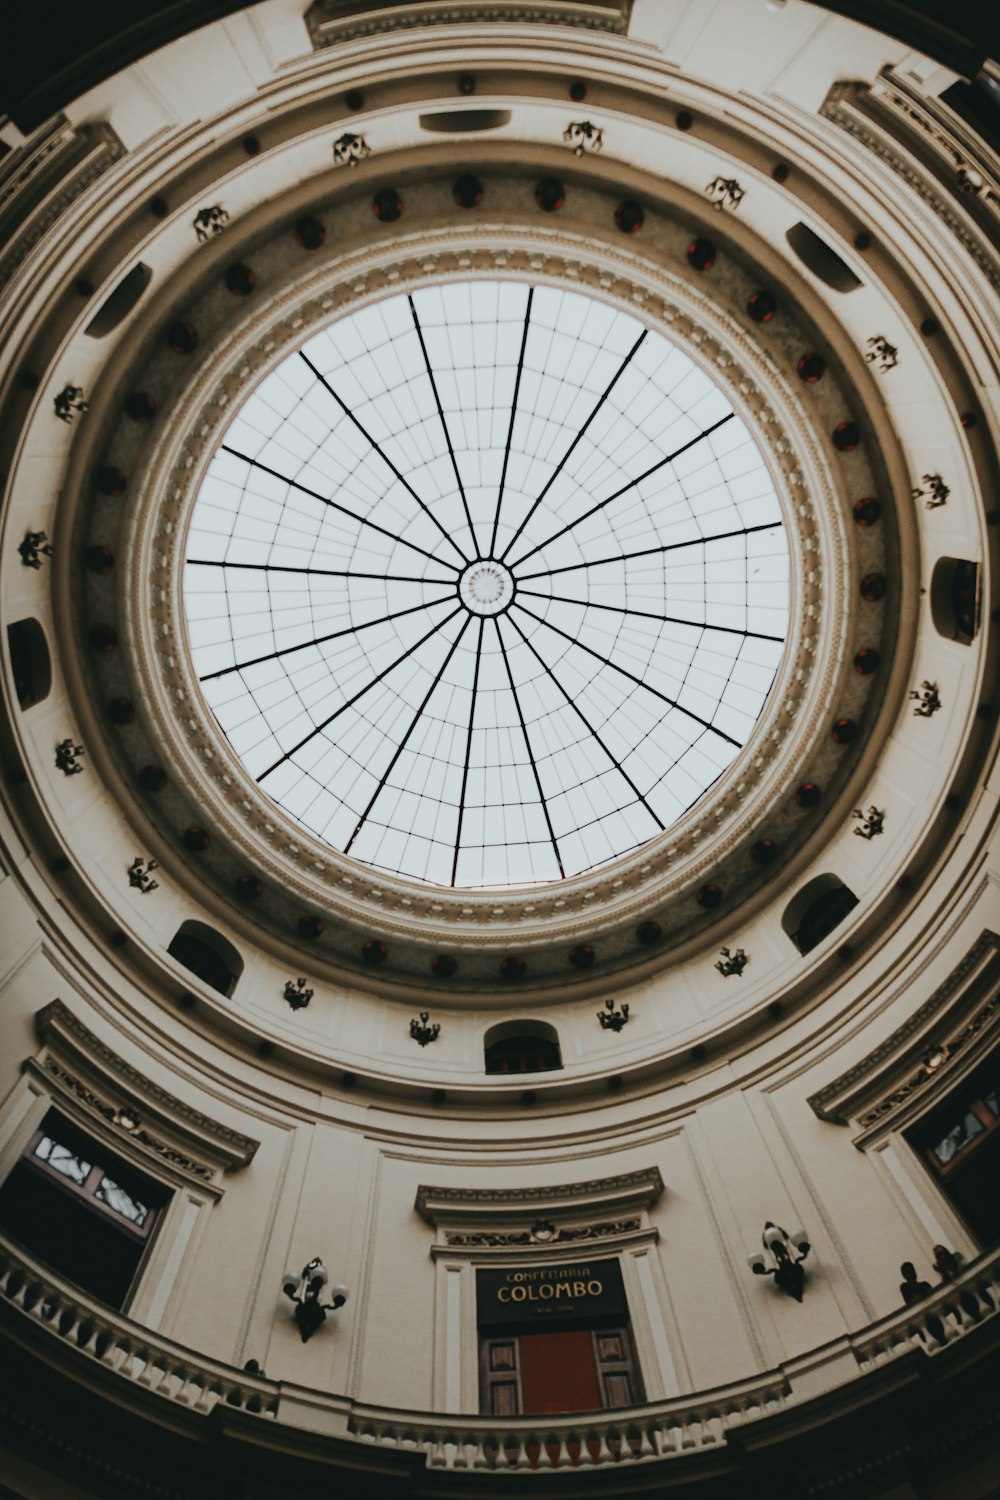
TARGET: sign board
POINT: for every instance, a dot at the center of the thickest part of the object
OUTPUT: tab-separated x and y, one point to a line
580	1293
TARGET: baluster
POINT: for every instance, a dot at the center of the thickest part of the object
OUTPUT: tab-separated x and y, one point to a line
522	1461
564	1458
586	1457
646	1448
437	1458
480	1459
462	1446
501	1461
604	1453
544	1461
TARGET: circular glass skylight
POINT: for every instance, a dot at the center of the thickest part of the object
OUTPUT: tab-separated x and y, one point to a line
486	585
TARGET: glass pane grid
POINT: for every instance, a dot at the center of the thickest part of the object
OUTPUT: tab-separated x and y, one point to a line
487	585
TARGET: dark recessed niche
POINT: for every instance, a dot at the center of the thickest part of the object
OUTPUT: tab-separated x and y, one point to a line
30	662
240	280
251	145
248	887
844	731
709	896
701	254
808	794
195	839
955	598
780	171
464	121
582	956
140	406
152	778
513	969
866	661
816	910
159	208
968	420
648	933
929	327
182	337
866	512
310	232
629	217
873	587
103	637
374	952
99	560
355	100
811	367
466	83
83	288
121	710
119	303
443	966
522	1046
387	205
207	954
846	437
111	481
764	852
467	191
550	194
761	306
820	259
578	91
684	119
862	240
310	928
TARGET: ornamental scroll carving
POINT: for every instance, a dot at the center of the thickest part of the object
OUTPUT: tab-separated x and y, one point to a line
553	1234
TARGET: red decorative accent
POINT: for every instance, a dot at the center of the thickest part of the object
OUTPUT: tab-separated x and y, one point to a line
846	437
764	851
761	306
467	191
182	338
844	731
550	194
121	710
866	661
866	512
310	232
240	280
629	217
873	587
99	560
387	205
701	254
140	406
103	637
811	367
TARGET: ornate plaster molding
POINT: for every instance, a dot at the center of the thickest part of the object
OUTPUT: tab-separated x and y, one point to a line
482	1206
844	1098
332	21
77	1064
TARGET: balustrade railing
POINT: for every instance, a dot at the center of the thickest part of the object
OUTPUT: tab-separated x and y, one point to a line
654	1432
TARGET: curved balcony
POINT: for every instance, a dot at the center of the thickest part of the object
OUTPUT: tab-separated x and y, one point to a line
46	1315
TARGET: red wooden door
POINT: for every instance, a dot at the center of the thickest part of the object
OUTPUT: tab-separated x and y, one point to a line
558	1373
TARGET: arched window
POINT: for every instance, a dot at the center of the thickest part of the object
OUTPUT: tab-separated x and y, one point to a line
522	1047
86	1214
29	661
208	954
955	598
818	908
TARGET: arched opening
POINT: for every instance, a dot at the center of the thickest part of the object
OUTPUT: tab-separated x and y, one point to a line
119	303
522	1047
820	259
464	121
955	599
208	954
818	908
30	662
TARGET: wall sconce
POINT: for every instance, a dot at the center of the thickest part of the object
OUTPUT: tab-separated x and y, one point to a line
788	1273
305	1290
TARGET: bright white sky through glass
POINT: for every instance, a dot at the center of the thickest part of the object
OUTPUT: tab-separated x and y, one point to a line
487	585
